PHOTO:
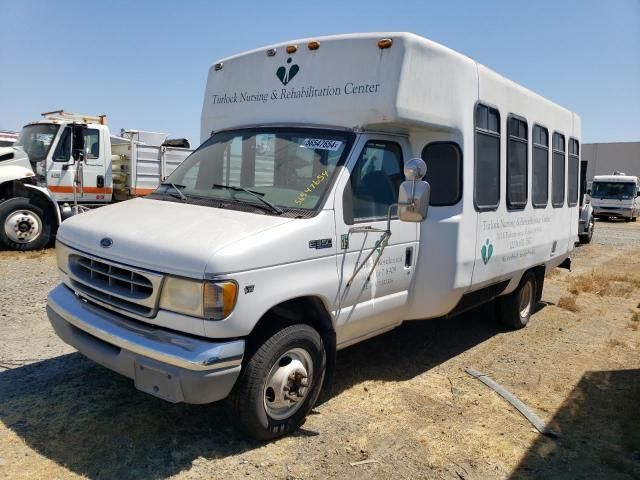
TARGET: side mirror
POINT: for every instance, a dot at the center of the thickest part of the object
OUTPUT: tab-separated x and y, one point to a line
588	191
77	150
414	194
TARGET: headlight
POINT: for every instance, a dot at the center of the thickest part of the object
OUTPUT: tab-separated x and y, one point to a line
211	300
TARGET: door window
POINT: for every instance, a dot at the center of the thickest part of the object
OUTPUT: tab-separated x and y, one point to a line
62	152
92	143
374	182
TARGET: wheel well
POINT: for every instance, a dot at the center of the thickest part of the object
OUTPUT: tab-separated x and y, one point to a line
38	199
539	271
302	310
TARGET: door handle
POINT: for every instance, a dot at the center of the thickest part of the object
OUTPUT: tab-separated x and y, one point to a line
408	257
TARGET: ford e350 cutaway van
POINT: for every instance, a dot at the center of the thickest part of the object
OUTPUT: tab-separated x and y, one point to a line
345	185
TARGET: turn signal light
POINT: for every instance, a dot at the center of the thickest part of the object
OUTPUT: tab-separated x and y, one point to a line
385	43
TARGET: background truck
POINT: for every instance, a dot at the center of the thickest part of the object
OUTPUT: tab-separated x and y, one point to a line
7	138
615	196
66	163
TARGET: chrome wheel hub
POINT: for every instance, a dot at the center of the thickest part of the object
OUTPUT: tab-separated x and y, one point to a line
288	383
22	226
526	299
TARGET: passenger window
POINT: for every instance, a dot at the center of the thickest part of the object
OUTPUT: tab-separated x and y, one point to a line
444	172
92	143
517	163
573	167
375	181
540	185
63	149
487	161
557	170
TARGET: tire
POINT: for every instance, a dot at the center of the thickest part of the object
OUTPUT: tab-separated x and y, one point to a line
633	219
24	225
515	309
264	412
586	238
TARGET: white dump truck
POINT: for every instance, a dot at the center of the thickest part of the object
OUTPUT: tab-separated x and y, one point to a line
346	184
66	163
616	196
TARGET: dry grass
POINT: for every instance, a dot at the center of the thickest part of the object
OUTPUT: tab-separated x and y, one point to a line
568	302
605	283
635	317
614	342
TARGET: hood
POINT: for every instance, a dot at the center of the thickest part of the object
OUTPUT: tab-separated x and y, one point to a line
14	164
167	237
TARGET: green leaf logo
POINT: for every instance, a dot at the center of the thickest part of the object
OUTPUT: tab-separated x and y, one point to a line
487	251
286	74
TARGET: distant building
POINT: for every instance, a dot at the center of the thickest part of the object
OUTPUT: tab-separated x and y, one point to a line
605	158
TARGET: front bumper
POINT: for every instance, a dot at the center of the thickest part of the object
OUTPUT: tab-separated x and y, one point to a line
612	212
168	365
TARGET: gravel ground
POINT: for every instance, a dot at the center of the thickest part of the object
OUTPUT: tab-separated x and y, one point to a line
401	400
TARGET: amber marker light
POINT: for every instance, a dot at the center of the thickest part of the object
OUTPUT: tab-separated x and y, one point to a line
385	43
292	49
313	45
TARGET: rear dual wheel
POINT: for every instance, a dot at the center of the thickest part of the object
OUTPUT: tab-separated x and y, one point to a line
280	383
515	309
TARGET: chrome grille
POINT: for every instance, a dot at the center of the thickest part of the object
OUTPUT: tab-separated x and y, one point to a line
114	285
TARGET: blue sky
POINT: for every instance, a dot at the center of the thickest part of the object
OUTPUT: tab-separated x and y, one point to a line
144	64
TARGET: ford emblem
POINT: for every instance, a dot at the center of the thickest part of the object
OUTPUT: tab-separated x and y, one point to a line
106	242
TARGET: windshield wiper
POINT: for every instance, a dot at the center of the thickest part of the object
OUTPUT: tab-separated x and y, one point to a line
254	194
177	188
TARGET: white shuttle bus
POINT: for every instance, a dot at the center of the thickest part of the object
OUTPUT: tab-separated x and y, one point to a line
345	185
615	196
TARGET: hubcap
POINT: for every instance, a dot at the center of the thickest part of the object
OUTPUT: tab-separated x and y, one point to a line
288	383
526	299
23	226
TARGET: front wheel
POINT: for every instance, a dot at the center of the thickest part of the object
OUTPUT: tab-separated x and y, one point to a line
280	383
23	225
515	309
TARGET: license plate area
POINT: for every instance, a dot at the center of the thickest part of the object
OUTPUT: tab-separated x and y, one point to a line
158	382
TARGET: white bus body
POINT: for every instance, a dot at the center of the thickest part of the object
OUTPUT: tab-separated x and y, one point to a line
321	129
616	196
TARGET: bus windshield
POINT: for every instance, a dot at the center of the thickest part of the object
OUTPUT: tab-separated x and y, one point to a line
612	190
285	167
36	140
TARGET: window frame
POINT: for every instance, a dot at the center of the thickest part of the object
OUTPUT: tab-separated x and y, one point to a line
347	194
571	156
541	147
520	205
564	165
498	135
460	177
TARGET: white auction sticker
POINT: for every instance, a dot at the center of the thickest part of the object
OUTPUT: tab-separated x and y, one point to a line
321	144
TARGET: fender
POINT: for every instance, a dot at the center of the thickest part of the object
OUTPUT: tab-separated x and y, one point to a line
52	201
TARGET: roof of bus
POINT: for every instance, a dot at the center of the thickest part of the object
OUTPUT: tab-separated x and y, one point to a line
350	80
